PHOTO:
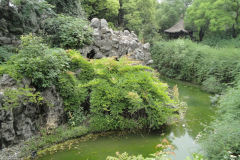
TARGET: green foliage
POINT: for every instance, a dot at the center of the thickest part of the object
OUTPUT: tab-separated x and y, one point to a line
68	85
5	54
188	61
222	42
69	90
10	70
107	9
32	12
214	15
170	11
196	156
197	14
68	32
21	96
126	97
212	85
69	7
40	63
140	16
223	142
83	69
73	97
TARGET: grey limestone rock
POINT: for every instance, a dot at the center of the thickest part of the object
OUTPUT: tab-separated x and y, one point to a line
109	43
95	23
22	122
104	23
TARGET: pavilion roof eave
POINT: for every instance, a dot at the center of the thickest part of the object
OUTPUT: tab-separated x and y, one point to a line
178	27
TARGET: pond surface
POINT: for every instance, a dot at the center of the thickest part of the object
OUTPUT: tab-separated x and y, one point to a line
181	135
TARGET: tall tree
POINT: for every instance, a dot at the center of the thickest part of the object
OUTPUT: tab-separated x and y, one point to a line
214	15
140	16
224	15
198	17
70	7
107	9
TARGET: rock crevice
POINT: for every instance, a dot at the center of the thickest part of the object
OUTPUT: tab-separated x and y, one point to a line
24	121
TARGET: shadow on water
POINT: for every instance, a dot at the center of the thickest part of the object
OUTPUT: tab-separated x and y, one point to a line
182	135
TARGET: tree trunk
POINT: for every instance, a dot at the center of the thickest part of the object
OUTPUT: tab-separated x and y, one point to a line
201	34
234	30
120	14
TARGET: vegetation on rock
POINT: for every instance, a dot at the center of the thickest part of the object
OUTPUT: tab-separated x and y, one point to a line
68	32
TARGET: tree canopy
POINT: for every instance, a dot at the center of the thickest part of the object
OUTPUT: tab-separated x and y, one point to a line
214	15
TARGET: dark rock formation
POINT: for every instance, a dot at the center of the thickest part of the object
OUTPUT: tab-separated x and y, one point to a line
22	122
10	25
109	43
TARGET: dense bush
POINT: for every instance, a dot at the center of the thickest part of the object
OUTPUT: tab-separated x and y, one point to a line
5	54
223	141
81	71
114	94
124	96
221	42
39	63
188	61
68	32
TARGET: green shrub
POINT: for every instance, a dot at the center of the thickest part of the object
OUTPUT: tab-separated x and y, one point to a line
68	32
81	71
188	61
40	63
223	141
124	96
212	85
70	7
222	42
114	95
10	69
5	53
73	97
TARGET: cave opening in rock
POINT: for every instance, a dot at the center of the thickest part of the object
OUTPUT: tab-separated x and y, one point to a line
91	54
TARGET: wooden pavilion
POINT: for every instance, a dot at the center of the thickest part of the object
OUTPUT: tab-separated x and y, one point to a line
178	30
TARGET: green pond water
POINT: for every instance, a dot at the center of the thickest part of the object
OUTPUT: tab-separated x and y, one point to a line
182	135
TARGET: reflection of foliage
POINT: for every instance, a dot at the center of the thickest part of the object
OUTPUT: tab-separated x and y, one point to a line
165	149
196	156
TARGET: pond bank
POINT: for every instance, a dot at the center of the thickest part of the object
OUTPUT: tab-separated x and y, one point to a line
182	135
